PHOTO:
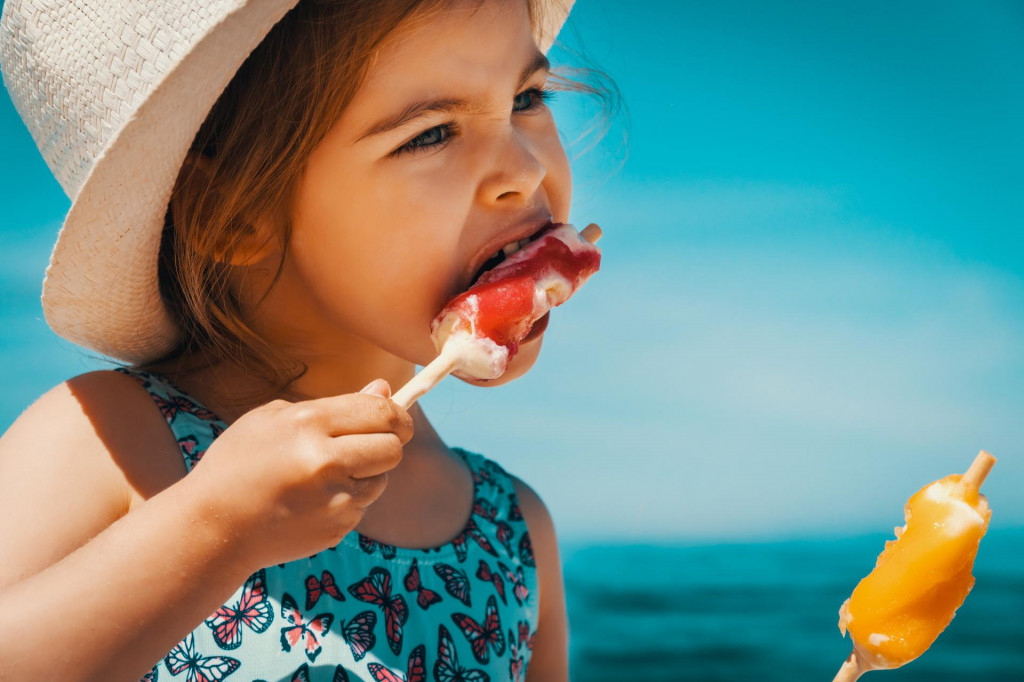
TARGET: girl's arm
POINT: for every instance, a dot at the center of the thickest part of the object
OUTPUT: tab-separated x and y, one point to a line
88	590
550	659
92	591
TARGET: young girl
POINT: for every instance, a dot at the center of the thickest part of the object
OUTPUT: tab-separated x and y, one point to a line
361	166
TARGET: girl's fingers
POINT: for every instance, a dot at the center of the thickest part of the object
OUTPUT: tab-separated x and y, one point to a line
364	455
377	387
356	413
365	491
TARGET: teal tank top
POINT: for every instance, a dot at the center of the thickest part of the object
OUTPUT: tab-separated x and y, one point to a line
365	610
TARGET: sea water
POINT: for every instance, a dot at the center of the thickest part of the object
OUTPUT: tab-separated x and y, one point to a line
768	611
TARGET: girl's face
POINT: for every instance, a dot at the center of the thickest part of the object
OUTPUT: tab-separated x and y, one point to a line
446	153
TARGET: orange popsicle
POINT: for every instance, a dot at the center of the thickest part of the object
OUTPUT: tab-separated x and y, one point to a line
921	578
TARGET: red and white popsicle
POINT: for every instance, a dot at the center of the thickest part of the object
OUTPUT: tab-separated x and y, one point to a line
478	333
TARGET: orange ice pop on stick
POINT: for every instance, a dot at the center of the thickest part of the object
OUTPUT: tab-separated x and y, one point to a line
479	331
921	578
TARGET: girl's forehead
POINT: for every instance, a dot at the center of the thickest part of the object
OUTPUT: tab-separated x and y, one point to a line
467	55
455	40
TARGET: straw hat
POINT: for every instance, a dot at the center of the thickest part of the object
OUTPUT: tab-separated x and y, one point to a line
113	92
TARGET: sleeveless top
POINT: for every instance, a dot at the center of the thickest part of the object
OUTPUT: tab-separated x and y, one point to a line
365	610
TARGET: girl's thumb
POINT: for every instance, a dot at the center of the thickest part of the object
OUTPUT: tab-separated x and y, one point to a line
377	387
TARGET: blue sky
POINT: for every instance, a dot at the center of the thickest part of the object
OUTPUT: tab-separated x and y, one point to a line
812	300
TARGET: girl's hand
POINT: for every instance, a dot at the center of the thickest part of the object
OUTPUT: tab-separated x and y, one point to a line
287	480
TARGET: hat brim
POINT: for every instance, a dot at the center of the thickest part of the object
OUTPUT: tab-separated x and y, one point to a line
101	288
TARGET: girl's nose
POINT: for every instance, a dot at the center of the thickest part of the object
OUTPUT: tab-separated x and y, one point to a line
516	170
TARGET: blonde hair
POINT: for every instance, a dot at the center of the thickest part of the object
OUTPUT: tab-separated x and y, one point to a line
254	143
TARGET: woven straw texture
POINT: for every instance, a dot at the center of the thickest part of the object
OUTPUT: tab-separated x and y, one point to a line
113	92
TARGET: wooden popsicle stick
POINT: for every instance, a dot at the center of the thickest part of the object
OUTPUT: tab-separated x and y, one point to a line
978	470
429	376
444	364
591	233
852	668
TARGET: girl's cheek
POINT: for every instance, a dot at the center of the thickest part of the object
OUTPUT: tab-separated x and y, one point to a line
558	182
426	189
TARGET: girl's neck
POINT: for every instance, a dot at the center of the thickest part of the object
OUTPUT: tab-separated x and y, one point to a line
231	392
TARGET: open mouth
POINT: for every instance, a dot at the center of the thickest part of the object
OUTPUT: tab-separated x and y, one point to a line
504	252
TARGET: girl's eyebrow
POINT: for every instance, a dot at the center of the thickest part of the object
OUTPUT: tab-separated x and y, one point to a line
447	104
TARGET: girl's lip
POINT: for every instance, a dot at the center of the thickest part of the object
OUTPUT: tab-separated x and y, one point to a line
538	327
526	230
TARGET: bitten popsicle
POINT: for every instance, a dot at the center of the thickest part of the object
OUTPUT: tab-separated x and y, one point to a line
479	331
921	578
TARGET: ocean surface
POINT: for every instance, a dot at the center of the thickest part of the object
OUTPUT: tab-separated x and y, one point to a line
768	611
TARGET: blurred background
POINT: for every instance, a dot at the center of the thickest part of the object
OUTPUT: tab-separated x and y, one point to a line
811	305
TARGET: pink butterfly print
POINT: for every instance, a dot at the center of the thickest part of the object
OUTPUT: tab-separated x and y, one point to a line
369	545
183	658
481	637
424	597
168	408
189	447
484	573
376	589
447	667
359	634
481	476
252	610
525	636
473	531
518	580
526	550
456	582
515	512
302	630
185	405
485	509
151	676
326	585
517	664
494	468
416	672
302	674
504	533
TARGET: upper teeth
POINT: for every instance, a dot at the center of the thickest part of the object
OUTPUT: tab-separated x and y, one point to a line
509	249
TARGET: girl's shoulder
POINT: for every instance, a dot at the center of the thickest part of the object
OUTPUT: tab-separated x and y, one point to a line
102	418
76	460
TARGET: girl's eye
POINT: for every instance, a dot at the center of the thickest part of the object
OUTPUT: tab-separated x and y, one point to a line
527	100
434	137
532	99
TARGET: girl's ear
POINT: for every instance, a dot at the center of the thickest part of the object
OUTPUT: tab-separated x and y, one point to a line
246	242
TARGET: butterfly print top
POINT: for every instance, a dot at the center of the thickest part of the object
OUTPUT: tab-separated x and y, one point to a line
465	611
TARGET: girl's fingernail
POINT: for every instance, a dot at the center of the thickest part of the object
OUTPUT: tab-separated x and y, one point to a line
371	387
378	387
